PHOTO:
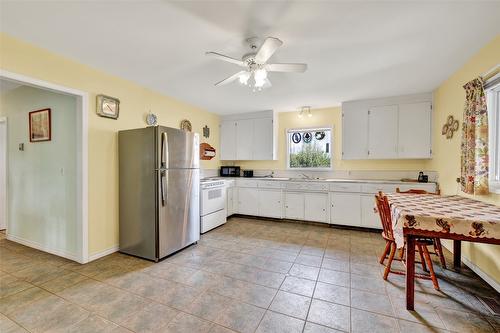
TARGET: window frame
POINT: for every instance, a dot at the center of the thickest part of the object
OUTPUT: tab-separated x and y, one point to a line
314	128
493	107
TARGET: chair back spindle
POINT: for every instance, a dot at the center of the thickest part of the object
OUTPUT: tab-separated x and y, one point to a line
384	211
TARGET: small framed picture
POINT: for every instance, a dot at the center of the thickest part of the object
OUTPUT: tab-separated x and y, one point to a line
108	107
40	125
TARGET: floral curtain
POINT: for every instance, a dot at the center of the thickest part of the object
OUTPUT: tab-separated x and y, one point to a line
474	170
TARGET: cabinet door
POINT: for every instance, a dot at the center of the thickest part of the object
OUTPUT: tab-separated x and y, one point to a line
229	204
316	205
228	140
294	205
354	133
263	139
247	201
415	130
270	203
345	209
369	218
244	139
383	132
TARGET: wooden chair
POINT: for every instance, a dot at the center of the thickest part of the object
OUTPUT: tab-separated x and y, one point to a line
384	211
438	248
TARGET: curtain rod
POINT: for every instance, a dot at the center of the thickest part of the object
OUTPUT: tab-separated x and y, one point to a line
491	73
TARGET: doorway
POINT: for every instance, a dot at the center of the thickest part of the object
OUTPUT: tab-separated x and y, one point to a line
3	173
79	252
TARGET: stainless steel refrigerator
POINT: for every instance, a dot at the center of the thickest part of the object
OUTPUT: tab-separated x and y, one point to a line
159	191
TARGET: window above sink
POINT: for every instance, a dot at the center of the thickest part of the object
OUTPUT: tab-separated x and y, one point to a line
309	148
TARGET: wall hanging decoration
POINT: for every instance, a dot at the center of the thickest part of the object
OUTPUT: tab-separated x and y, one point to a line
207	152
108	107
186	125
319	135
307	137
450	127
40	125
296	137
151	119
206	132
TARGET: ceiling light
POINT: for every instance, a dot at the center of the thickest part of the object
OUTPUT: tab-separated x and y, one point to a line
243	78
305	110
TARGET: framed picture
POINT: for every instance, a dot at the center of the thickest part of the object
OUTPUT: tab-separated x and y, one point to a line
40	125
108	107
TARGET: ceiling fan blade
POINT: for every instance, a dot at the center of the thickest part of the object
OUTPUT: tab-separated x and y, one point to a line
225	58
230	79
267	49
300	68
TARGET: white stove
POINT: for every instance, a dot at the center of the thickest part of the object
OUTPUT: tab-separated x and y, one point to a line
212	204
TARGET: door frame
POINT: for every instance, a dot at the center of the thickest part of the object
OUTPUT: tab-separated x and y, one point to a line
82	105
3	122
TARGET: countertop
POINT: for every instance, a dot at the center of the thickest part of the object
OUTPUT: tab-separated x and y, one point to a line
330	180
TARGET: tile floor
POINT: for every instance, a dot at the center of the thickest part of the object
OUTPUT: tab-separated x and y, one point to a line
247	276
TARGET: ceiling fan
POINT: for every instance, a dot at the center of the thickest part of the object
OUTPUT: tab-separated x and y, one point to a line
255	64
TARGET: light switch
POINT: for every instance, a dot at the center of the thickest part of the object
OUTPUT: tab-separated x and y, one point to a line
21	147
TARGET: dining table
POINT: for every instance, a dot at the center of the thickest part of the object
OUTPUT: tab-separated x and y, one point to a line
451	217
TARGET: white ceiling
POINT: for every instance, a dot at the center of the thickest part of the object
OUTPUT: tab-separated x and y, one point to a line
354	50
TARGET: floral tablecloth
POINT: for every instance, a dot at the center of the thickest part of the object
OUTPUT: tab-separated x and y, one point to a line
448	214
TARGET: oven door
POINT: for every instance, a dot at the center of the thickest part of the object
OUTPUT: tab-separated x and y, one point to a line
213	199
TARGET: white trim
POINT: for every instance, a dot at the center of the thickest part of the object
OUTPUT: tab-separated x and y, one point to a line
38	246
6	171
489	280
82	157
493	102
104	253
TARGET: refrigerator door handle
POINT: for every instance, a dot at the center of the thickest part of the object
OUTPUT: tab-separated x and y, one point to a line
164	150
162	187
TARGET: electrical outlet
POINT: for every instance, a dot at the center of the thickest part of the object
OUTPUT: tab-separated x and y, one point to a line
457	180
21	147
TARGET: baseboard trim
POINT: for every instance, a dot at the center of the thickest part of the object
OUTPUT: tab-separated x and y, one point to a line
488	279
97	255
41	247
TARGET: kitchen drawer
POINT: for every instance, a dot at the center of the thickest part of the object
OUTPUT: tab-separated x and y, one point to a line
296	186
316	187
429	187
270	184
377	187
246	183
345	187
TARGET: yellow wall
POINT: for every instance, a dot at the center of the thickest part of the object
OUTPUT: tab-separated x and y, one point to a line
136	101
449	99
330	117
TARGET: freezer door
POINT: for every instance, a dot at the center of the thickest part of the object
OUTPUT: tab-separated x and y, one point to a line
177	149
179	209
137	192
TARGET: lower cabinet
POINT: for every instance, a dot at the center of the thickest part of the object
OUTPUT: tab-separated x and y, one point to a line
248	201
230	201
316	207
345	209
270	203
294	205
369	218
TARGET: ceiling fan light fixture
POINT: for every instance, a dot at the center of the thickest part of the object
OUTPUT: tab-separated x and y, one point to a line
244	77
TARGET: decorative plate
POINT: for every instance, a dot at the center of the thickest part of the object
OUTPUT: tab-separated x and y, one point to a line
186	125
450	119
296	137
319	135
445	129
151	119
456	125
307	137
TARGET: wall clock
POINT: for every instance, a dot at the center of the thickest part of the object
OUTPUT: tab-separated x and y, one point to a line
108	107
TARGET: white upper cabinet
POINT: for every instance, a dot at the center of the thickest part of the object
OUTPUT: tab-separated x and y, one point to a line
249	136
383	132
387	128
228	140
354	133
244	139
415	130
